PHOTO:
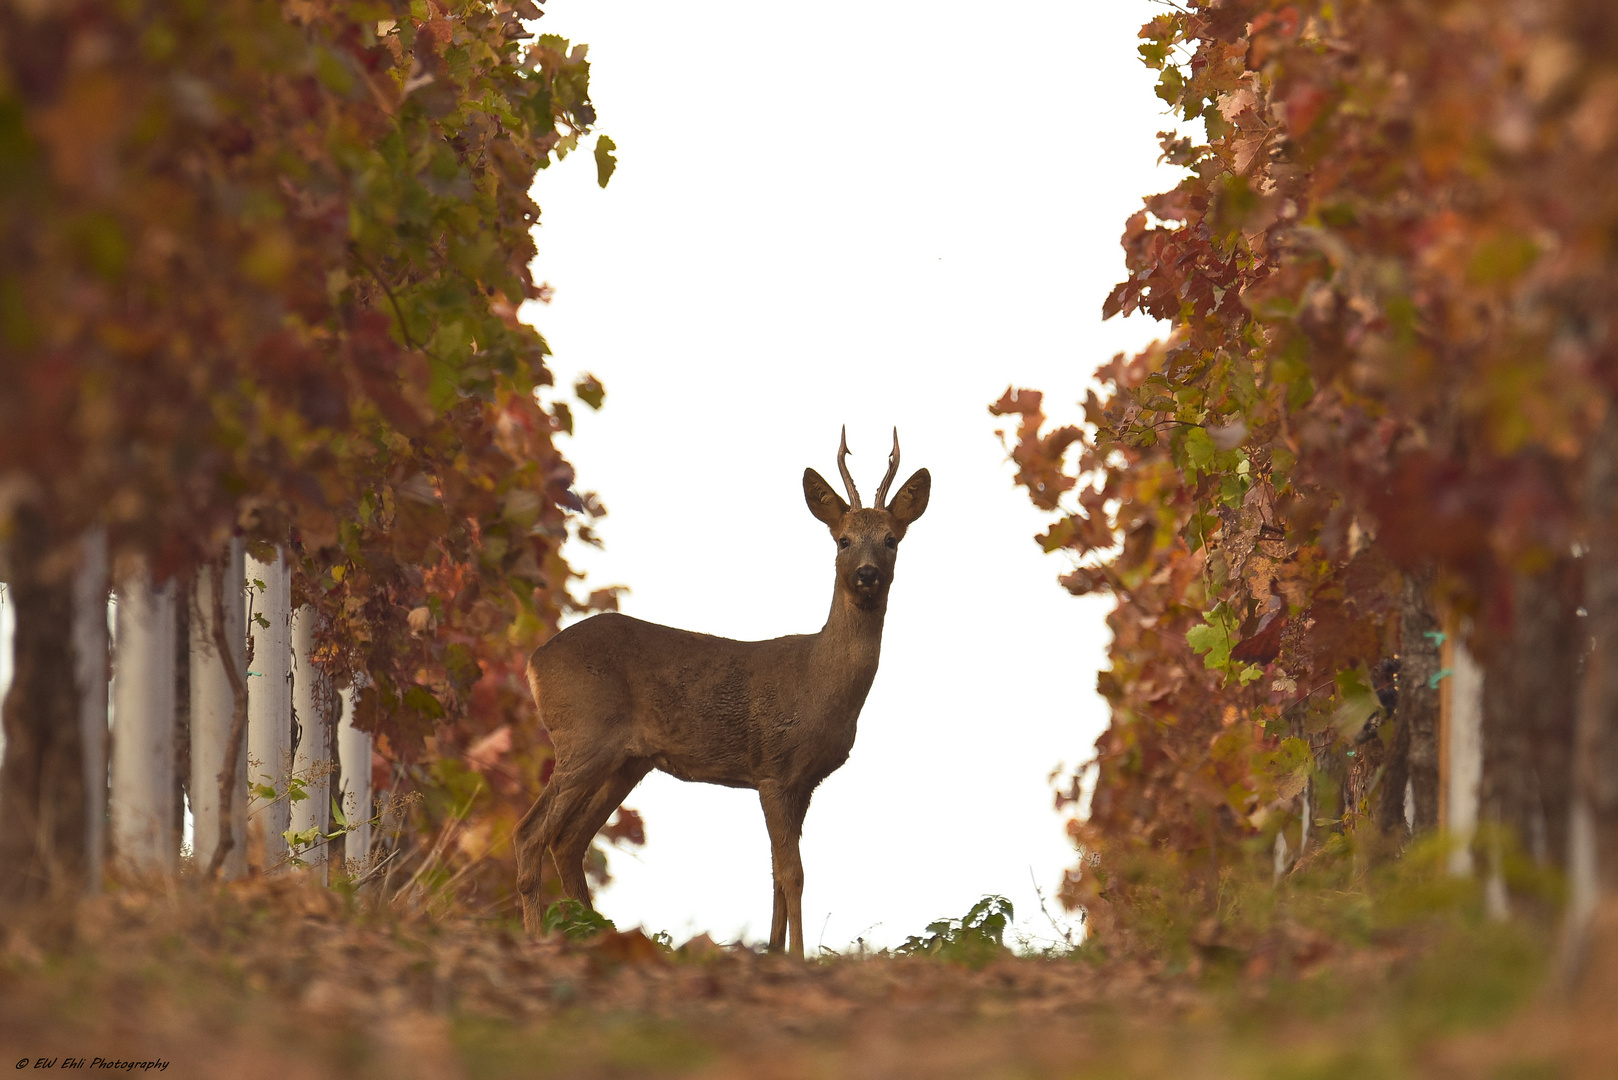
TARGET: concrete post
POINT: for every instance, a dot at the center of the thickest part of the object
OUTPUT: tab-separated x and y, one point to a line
269	705
354	747
213	704
312	705
143	727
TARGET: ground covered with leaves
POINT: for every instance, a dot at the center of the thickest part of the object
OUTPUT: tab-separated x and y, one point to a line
281	978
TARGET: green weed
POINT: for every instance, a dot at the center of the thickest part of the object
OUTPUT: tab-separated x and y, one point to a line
573	920
974	939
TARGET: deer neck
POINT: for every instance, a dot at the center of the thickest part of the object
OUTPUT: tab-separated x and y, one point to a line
850	643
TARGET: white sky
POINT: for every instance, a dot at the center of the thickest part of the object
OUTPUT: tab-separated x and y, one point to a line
871	214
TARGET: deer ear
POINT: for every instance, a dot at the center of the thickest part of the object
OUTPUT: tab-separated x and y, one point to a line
911	501
823	502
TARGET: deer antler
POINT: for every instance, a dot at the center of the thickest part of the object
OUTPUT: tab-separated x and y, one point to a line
893	470
842	467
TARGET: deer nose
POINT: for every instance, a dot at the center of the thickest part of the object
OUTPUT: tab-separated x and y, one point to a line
866	576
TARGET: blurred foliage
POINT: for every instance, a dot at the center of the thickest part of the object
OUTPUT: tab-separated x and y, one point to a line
260	271
1335	904
1388	278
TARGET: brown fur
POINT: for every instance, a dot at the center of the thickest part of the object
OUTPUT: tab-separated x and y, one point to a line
621	697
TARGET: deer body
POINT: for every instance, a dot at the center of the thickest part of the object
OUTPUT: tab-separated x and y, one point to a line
708	709
621	697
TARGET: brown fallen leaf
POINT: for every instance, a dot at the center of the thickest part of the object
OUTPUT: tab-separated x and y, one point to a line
627	947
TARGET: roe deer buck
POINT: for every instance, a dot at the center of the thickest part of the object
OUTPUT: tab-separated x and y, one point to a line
621	697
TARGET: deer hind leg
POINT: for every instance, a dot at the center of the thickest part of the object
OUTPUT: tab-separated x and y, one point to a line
570	789
784	810
530	847
574	839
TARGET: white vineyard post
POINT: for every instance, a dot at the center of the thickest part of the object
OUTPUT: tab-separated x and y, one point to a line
213	705
1583	871
311	702
354	752
90	672
143	727
269	702
1461	740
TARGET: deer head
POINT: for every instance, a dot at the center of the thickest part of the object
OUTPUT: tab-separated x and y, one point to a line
867	538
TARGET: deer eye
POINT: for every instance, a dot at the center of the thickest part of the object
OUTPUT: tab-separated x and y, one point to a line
891	542
843	541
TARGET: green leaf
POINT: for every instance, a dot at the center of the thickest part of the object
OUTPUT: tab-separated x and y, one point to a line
1289	766
590	391
1214	638
1291	369
1200	450
301	838
1198	528
1171	85
974	940
1232	489
1502	259
462	667
422	701
1359	702
606	164
102	244
332	72
573	920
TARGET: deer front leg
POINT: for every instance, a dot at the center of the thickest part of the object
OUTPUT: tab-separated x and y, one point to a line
778	921
783	817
